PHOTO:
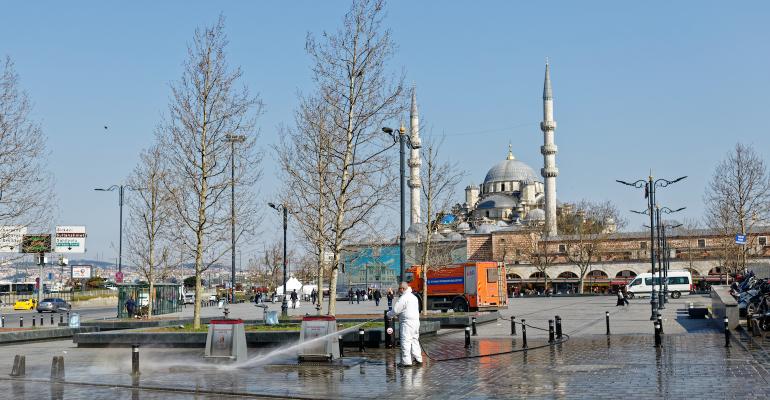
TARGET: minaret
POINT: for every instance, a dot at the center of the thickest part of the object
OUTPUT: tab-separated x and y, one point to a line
548	150
414	161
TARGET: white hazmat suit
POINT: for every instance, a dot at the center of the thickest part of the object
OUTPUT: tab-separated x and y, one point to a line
407	309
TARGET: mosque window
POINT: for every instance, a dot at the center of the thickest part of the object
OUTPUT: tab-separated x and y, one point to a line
763	241
643	245
701	243
487	214
562	248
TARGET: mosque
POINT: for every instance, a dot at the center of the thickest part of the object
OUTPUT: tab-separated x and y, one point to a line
512	195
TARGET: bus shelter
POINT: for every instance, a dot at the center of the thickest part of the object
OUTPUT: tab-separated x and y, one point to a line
165	299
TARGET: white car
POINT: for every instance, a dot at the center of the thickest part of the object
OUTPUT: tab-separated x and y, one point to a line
679	283
213	297
189	298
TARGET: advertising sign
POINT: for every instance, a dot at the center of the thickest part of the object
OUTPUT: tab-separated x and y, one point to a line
10	238
75	320
740	239
118	277
81	271
39	243
70	239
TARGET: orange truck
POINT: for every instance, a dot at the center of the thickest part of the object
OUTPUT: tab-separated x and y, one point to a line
470	286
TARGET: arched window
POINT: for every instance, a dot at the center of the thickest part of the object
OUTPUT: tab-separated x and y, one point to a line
626	273
567	275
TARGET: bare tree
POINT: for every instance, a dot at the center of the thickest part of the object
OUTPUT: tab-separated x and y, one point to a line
205	108
149	218
541	257
268	271
588	227
304	155
358	96
25	186
439	181
738	195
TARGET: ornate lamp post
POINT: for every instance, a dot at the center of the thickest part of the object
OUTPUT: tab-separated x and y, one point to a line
649	186
281	208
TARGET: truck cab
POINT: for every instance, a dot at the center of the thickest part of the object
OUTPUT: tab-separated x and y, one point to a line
471	286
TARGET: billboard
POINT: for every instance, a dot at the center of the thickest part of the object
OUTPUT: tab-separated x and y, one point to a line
38	243
10	238
70	239
81	271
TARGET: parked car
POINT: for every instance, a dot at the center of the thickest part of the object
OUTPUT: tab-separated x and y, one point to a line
189	298
213	297
53	305
25	304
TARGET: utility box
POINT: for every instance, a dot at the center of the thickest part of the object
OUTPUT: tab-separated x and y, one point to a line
318	338
226	340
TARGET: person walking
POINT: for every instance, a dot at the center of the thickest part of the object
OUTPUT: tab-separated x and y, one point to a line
313	296
350	295
130	307
294	298
377	296
625	295
407	310
389	295
358	296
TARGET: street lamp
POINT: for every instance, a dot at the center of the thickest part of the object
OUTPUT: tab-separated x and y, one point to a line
403	141
233	139
664	242
121	189
649	186
282	208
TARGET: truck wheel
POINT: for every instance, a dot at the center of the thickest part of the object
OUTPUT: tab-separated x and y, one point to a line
460	305
676	295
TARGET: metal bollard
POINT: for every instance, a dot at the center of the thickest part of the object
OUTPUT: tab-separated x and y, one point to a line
57	368
660	322
19	366
607	319
467	336
135	359
513	325
33	322
558	327
524	333
21	321
657	334
360	339
61	318
2	322
41	320
473	325
339	343
727	334
388	332
550	331
52	321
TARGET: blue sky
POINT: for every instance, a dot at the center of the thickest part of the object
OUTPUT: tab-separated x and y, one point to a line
667	86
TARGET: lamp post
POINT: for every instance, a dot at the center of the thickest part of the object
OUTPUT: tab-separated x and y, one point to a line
403	141
121	189
282	208
664	241
649	186
233	139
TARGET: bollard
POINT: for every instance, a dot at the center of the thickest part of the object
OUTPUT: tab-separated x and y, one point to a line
513	325
550	331
473	325
21	321
61	318
339	343
33	321
467	336
657	334
2	322
68	316
41	320
135	359
388	332
19	366
523	333
52	322
607	319
727	334
57	368
558	327
360	339
660	322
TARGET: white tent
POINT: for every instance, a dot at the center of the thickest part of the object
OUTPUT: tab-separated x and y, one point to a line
292	284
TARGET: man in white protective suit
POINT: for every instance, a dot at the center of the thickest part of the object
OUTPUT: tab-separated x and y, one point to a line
408	312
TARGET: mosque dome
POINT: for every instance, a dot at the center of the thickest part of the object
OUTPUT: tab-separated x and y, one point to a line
454	236
511	170
535	215
497	201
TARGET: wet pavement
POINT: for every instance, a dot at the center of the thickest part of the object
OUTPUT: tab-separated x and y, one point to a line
692	362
